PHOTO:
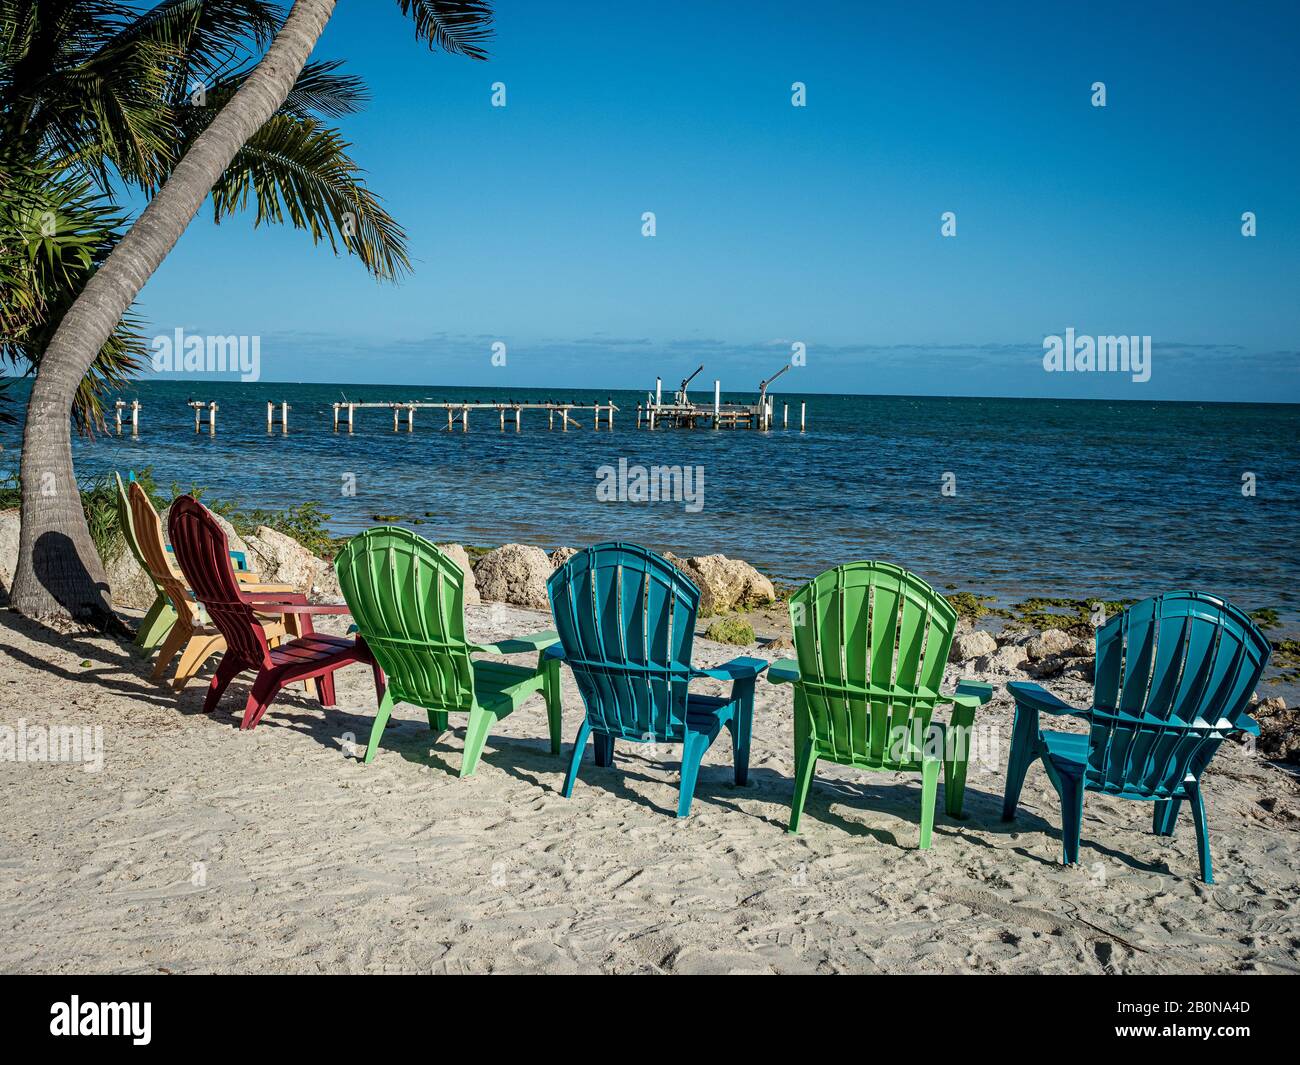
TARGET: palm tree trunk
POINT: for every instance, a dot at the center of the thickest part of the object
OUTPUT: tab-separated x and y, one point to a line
59	573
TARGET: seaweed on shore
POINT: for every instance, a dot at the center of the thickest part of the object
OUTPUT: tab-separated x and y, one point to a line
1265	617
1286	658
973	607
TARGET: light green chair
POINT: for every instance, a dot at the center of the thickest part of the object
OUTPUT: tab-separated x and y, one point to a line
407	599
161	616
872	641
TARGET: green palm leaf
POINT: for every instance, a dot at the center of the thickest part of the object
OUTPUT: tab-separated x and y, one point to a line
297	171
461	27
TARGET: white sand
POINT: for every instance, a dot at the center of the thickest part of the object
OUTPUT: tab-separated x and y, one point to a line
311	861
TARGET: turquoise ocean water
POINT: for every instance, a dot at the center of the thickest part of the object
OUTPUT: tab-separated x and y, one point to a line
1069	498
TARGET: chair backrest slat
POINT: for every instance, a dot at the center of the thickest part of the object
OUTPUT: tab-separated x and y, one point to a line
408	601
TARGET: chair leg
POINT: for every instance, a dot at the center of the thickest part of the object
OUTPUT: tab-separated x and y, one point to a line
554	707
929	789
1165	816
1071	791
264	691
227	669
325	688
805	757
741	727
693	749
437	722
196	652
156	624
1202	830
377	730
176	639
579	745
604	744
480	726
1024	743
954	770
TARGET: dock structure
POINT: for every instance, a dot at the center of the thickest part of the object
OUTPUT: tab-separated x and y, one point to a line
682	413
458	412
120	406
199	407
270	416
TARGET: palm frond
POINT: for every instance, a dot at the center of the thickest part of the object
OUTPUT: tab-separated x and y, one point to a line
460	27
55	232
323	92
297	171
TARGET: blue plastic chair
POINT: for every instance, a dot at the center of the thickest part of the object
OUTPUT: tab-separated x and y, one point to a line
1173	678
626	619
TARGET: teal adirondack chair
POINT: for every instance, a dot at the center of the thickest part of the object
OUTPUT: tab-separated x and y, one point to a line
1174	676
407	599
626	619
872	641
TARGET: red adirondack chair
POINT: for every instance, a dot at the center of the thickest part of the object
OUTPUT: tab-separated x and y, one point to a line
204	557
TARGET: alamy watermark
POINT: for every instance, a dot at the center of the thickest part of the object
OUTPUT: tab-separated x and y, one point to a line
654	484
1078	353
54	743
191	353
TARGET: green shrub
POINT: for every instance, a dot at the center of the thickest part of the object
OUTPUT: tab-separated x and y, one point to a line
731	630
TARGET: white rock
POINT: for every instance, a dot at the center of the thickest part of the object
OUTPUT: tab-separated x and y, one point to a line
725	583
460	556
1003	662
968	645
1049	642
280	559
515	574
131	587
561	555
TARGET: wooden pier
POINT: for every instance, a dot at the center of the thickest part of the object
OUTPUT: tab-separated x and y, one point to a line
679	413
459	413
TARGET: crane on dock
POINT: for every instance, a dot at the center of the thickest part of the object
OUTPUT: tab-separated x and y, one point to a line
681	399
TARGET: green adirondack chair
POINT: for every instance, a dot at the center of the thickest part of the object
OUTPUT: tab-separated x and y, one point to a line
872	641
161	616
407	599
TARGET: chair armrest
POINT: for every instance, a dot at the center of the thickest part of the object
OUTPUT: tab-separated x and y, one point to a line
271	595
555	651
784	671
979	688
1036	697
303	608
254	587
538	641
742	668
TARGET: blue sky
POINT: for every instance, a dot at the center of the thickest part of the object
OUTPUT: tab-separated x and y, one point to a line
819	224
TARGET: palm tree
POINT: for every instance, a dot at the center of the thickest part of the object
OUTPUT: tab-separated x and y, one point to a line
96	90
58	572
